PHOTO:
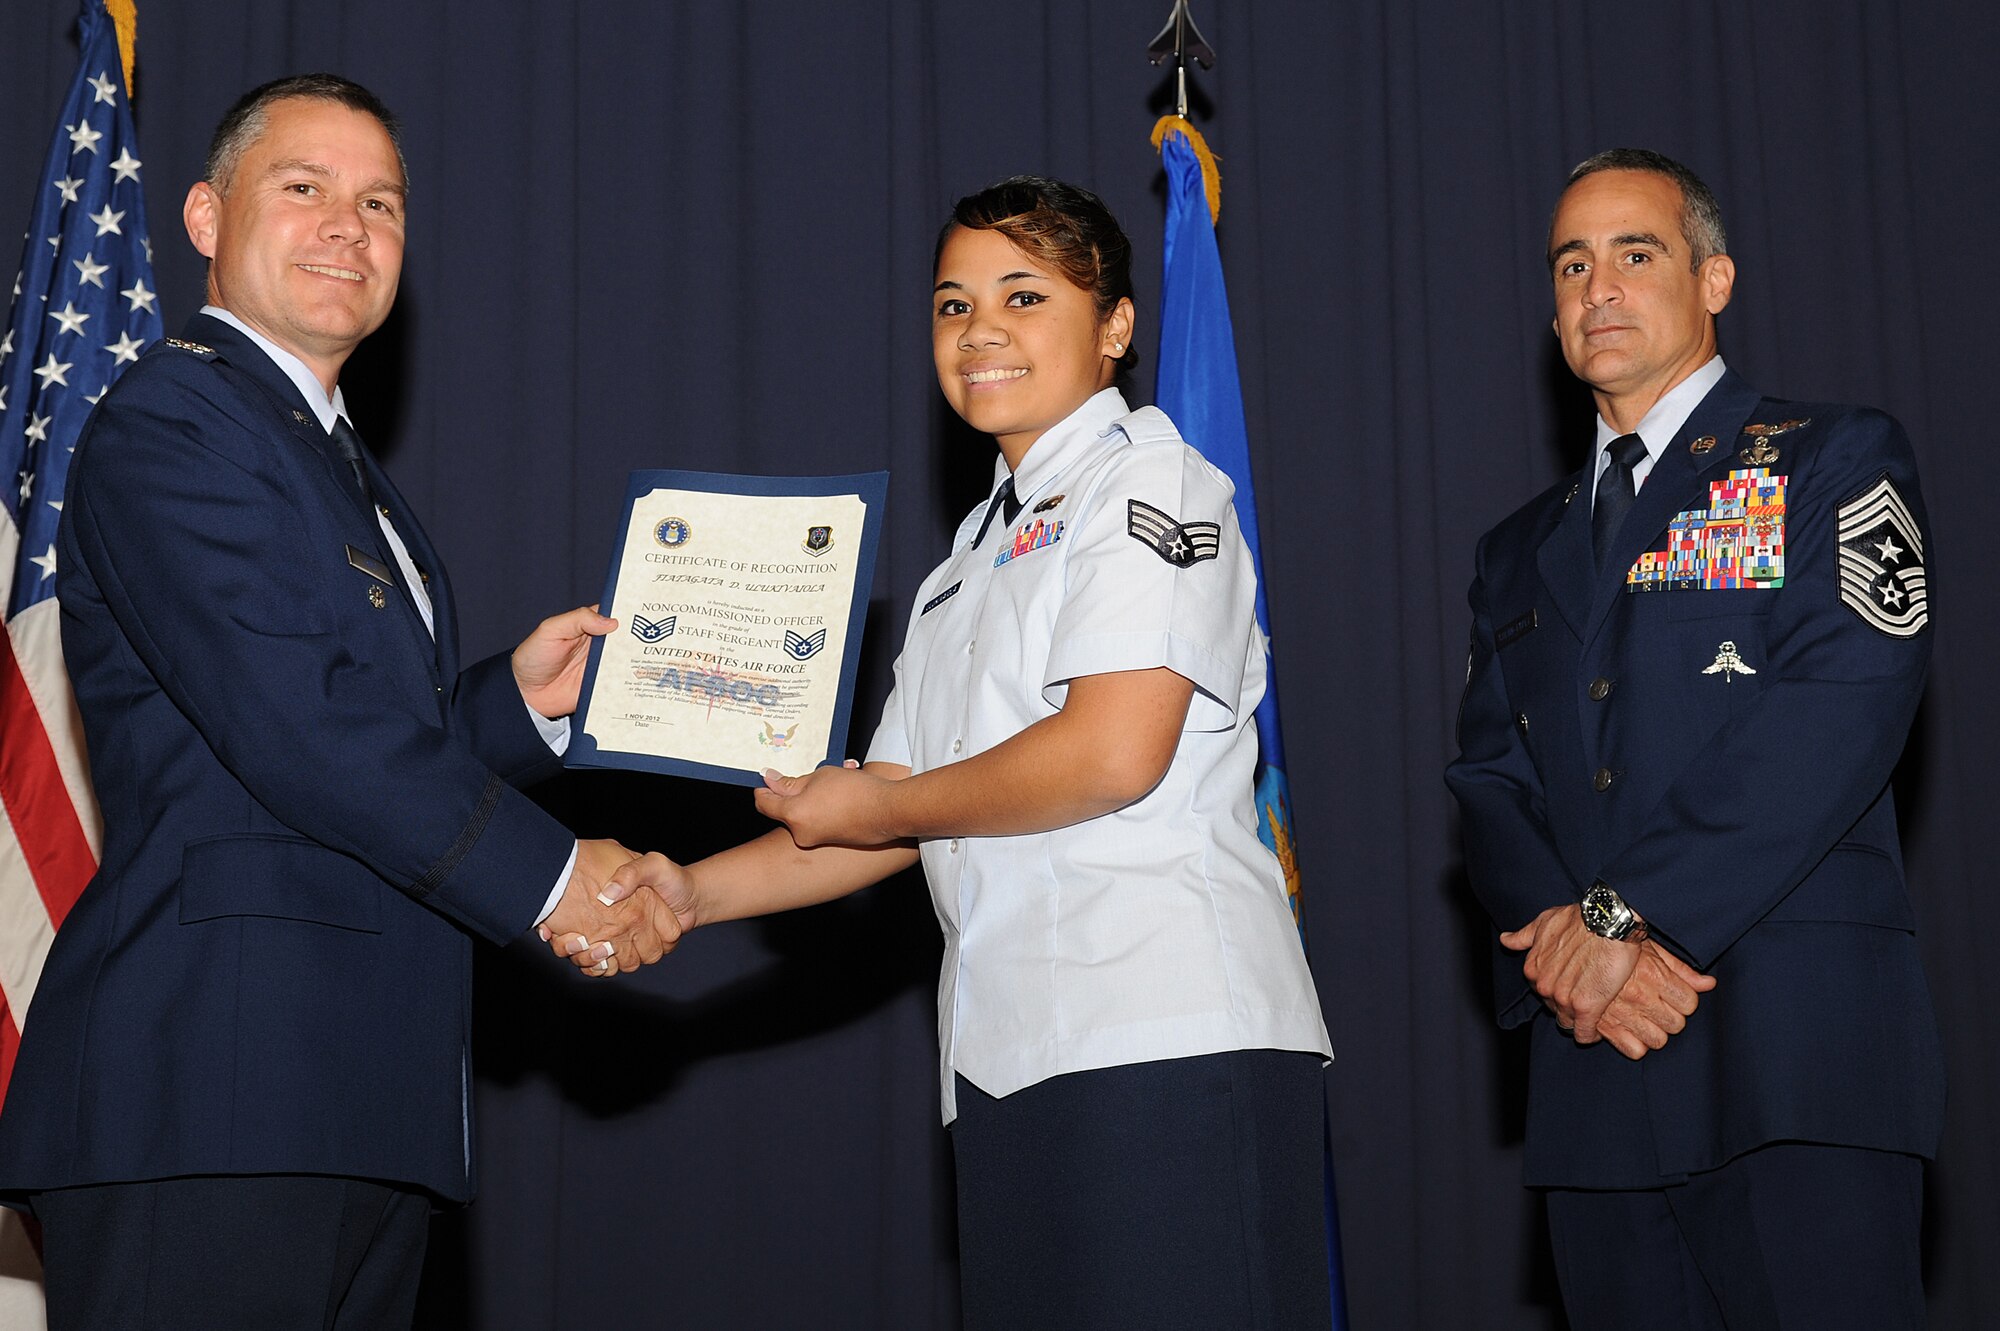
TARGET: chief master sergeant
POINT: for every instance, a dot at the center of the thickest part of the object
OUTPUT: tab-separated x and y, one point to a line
243	1079
1694	665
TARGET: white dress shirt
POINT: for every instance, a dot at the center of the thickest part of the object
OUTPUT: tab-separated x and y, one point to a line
1159	930
1658	427
554	733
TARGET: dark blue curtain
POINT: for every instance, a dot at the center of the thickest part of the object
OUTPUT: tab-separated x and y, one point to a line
698	235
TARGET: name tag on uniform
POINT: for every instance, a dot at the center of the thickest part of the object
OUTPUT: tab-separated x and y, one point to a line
940	599
373	567
1516	629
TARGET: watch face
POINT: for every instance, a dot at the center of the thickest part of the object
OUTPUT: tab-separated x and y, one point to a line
1600	915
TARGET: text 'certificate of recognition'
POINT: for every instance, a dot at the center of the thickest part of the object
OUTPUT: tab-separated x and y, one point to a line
739	601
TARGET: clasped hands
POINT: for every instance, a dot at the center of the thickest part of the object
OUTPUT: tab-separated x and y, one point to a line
607	927
622	911
1635	995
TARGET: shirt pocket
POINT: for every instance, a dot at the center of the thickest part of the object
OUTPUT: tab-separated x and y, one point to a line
1676	607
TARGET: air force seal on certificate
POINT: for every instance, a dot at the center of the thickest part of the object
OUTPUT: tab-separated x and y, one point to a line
818	541
672	532
1882	576
1179	543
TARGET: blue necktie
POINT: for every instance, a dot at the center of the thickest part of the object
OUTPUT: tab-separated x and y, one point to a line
1615	492
348	445
1003	503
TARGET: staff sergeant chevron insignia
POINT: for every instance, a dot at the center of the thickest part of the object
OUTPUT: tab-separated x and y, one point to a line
1882	577
1179	543
653	630
804	647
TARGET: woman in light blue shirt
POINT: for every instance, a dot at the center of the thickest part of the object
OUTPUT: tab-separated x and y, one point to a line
1131	1043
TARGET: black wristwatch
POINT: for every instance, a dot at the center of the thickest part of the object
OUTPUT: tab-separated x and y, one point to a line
1606	915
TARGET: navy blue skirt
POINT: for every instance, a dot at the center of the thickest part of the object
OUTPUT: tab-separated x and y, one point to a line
1182	1193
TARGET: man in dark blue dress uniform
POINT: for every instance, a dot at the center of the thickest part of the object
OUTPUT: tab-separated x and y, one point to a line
244	1080
1694	666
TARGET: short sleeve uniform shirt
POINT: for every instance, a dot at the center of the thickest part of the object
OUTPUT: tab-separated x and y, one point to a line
1156	931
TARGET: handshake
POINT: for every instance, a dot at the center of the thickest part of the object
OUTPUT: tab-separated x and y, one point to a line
619	911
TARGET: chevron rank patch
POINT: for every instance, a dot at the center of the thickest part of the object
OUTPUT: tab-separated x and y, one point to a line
1882	562
1179	543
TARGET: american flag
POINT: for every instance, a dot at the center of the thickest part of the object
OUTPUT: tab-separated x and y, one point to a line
83	308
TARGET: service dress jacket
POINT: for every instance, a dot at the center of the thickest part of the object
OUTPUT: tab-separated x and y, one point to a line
1707	724
310	810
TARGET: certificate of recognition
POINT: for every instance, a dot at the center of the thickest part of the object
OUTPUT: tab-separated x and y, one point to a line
739	602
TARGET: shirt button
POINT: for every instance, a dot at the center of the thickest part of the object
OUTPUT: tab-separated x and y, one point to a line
958	746
952	846
1521	720
1602	781
969	646
1600	689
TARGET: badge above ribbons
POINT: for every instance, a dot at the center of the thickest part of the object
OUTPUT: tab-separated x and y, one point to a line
1882	578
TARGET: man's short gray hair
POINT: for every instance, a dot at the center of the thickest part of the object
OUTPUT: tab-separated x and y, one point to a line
246	120
1701	215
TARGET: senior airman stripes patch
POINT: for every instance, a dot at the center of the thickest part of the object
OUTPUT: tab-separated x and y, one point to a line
1179	543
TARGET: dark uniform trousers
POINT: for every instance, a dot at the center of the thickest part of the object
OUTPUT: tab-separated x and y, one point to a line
1793	1235
1183	1193
275	1253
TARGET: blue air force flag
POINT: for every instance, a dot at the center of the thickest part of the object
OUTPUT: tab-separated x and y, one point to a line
1198	387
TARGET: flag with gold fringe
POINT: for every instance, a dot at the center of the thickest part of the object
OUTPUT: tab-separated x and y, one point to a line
1198	387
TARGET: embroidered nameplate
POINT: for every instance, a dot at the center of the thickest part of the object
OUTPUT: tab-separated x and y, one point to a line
1736	542
940	598
1516	629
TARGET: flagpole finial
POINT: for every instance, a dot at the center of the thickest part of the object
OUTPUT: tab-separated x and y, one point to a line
1176	42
